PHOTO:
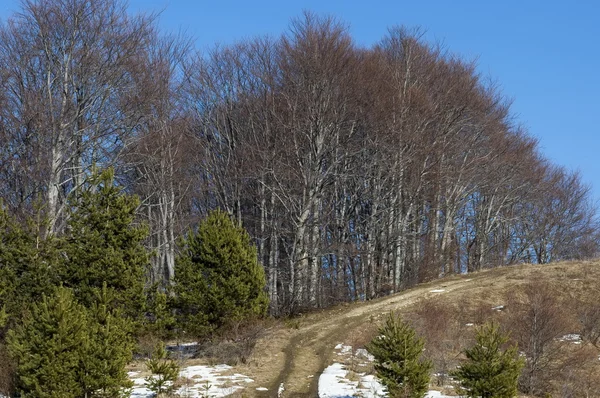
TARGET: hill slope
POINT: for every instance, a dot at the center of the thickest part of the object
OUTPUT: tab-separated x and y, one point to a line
289	356
296	357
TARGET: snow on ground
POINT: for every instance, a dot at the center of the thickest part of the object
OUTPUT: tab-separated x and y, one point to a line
337	381
189	344
203	381
572	337
437	290
362	353
334	383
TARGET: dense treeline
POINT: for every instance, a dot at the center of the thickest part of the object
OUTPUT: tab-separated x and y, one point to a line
357	171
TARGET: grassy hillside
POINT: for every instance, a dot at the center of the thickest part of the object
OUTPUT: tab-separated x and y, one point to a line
550	310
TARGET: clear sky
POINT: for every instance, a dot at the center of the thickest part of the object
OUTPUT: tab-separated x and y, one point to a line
545	55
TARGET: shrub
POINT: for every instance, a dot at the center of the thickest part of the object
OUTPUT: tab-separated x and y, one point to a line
537	320
397	351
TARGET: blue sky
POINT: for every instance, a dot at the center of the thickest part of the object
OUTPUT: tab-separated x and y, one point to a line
545	55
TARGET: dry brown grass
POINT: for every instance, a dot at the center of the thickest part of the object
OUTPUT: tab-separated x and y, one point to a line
296	351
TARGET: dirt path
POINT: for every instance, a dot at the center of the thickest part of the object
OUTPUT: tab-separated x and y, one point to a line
295	358
298	360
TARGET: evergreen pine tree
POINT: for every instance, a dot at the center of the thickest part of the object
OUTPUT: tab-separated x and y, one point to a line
109	348
217	277
48	346
490	371
29	265
160	320
397	351
103	245
165	372
64	350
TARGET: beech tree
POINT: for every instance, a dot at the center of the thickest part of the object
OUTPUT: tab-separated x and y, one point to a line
67	68
161	157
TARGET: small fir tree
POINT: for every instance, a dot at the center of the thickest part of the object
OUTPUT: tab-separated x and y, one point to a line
103	245
398	363
109	349
64	350
48	347
490	371
28	265
218	278
165	372
160	320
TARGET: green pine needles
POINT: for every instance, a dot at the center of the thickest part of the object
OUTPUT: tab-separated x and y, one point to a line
64	350
218	278
490	371
398	363
165	372
49	346
104	245
28	266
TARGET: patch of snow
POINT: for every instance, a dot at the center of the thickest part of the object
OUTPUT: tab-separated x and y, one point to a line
373	386
572	337
469	324
262	389
498	308
339	346
361	352
138	382
280	390
437	290
334	383
141	392
206	381
190	344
